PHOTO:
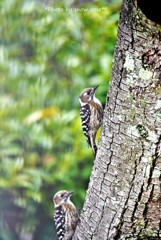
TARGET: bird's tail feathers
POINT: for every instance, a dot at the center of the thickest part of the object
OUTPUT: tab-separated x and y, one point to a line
94	148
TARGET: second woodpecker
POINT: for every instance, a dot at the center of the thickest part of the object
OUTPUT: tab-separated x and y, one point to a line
65	215
91	112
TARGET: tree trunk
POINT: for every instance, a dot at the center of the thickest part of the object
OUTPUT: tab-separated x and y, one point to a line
123	200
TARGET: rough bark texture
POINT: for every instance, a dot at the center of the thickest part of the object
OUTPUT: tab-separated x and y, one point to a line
124	196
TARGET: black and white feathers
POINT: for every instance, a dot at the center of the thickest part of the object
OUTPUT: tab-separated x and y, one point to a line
65	215
91	112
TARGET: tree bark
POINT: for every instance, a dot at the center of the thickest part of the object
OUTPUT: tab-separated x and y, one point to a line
123	199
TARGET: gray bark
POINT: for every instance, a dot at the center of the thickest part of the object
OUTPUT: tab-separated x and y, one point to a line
123	199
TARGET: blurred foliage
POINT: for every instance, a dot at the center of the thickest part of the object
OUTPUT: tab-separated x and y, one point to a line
47	57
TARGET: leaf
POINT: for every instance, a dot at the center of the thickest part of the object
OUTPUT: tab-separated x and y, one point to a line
41	114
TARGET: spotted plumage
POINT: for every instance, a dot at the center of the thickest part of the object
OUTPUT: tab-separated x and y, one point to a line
91	112
65	215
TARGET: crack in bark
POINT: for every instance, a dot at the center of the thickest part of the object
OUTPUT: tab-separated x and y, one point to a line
102	213
155	156
117	236
125	33
101	217
118	85
146	211
159	228
104	174
150	196
118	233
97	227
136	205
111	223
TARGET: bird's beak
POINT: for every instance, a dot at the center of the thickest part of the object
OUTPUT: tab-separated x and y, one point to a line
70	193
95	88
67	195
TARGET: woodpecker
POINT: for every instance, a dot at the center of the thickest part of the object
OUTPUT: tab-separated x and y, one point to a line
65	215
91	112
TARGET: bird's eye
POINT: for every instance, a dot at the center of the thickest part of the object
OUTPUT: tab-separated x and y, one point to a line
86	93
61	195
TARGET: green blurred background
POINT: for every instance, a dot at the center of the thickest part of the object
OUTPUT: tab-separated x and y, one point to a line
47	57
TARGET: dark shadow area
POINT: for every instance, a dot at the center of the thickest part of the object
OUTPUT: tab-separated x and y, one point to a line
151	9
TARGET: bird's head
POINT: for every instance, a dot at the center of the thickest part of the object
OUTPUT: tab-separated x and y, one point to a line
61	197
87	95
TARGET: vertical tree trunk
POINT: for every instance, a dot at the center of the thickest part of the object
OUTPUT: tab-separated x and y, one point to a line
124	196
